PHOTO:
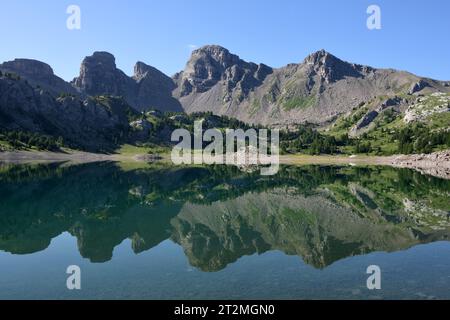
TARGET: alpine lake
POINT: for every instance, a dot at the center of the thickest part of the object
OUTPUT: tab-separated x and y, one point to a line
217	232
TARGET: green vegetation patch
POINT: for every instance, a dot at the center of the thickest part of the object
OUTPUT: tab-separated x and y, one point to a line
24	140
299	103
255	106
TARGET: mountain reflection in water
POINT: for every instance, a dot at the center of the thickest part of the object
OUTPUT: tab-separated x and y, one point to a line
219	214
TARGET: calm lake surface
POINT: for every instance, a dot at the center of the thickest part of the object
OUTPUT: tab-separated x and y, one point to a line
220	233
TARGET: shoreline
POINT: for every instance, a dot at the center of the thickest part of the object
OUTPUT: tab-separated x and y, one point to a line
436	164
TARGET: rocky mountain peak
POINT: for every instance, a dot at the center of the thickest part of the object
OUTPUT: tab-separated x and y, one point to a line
100	64
152	89
211	64
214	79
28	67
207	66
215	53
99	75
142	70
101	58
39	74
147	88
330	68
321	57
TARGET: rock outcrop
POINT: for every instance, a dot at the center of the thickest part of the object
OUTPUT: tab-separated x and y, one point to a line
436	164
418	86
368	119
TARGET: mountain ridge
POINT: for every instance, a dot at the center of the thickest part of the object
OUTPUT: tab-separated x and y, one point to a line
317	89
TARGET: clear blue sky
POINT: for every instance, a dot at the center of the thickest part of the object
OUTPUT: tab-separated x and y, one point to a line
414	36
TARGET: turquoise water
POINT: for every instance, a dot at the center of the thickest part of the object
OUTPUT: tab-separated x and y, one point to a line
220	233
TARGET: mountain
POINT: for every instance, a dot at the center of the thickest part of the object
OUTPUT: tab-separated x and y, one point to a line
91	123
213	66
39	74
317	90
99	75
342	97
148	88
153	89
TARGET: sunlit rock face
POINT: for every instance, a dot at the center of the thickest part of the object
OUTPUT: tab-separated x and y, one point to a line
318	89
